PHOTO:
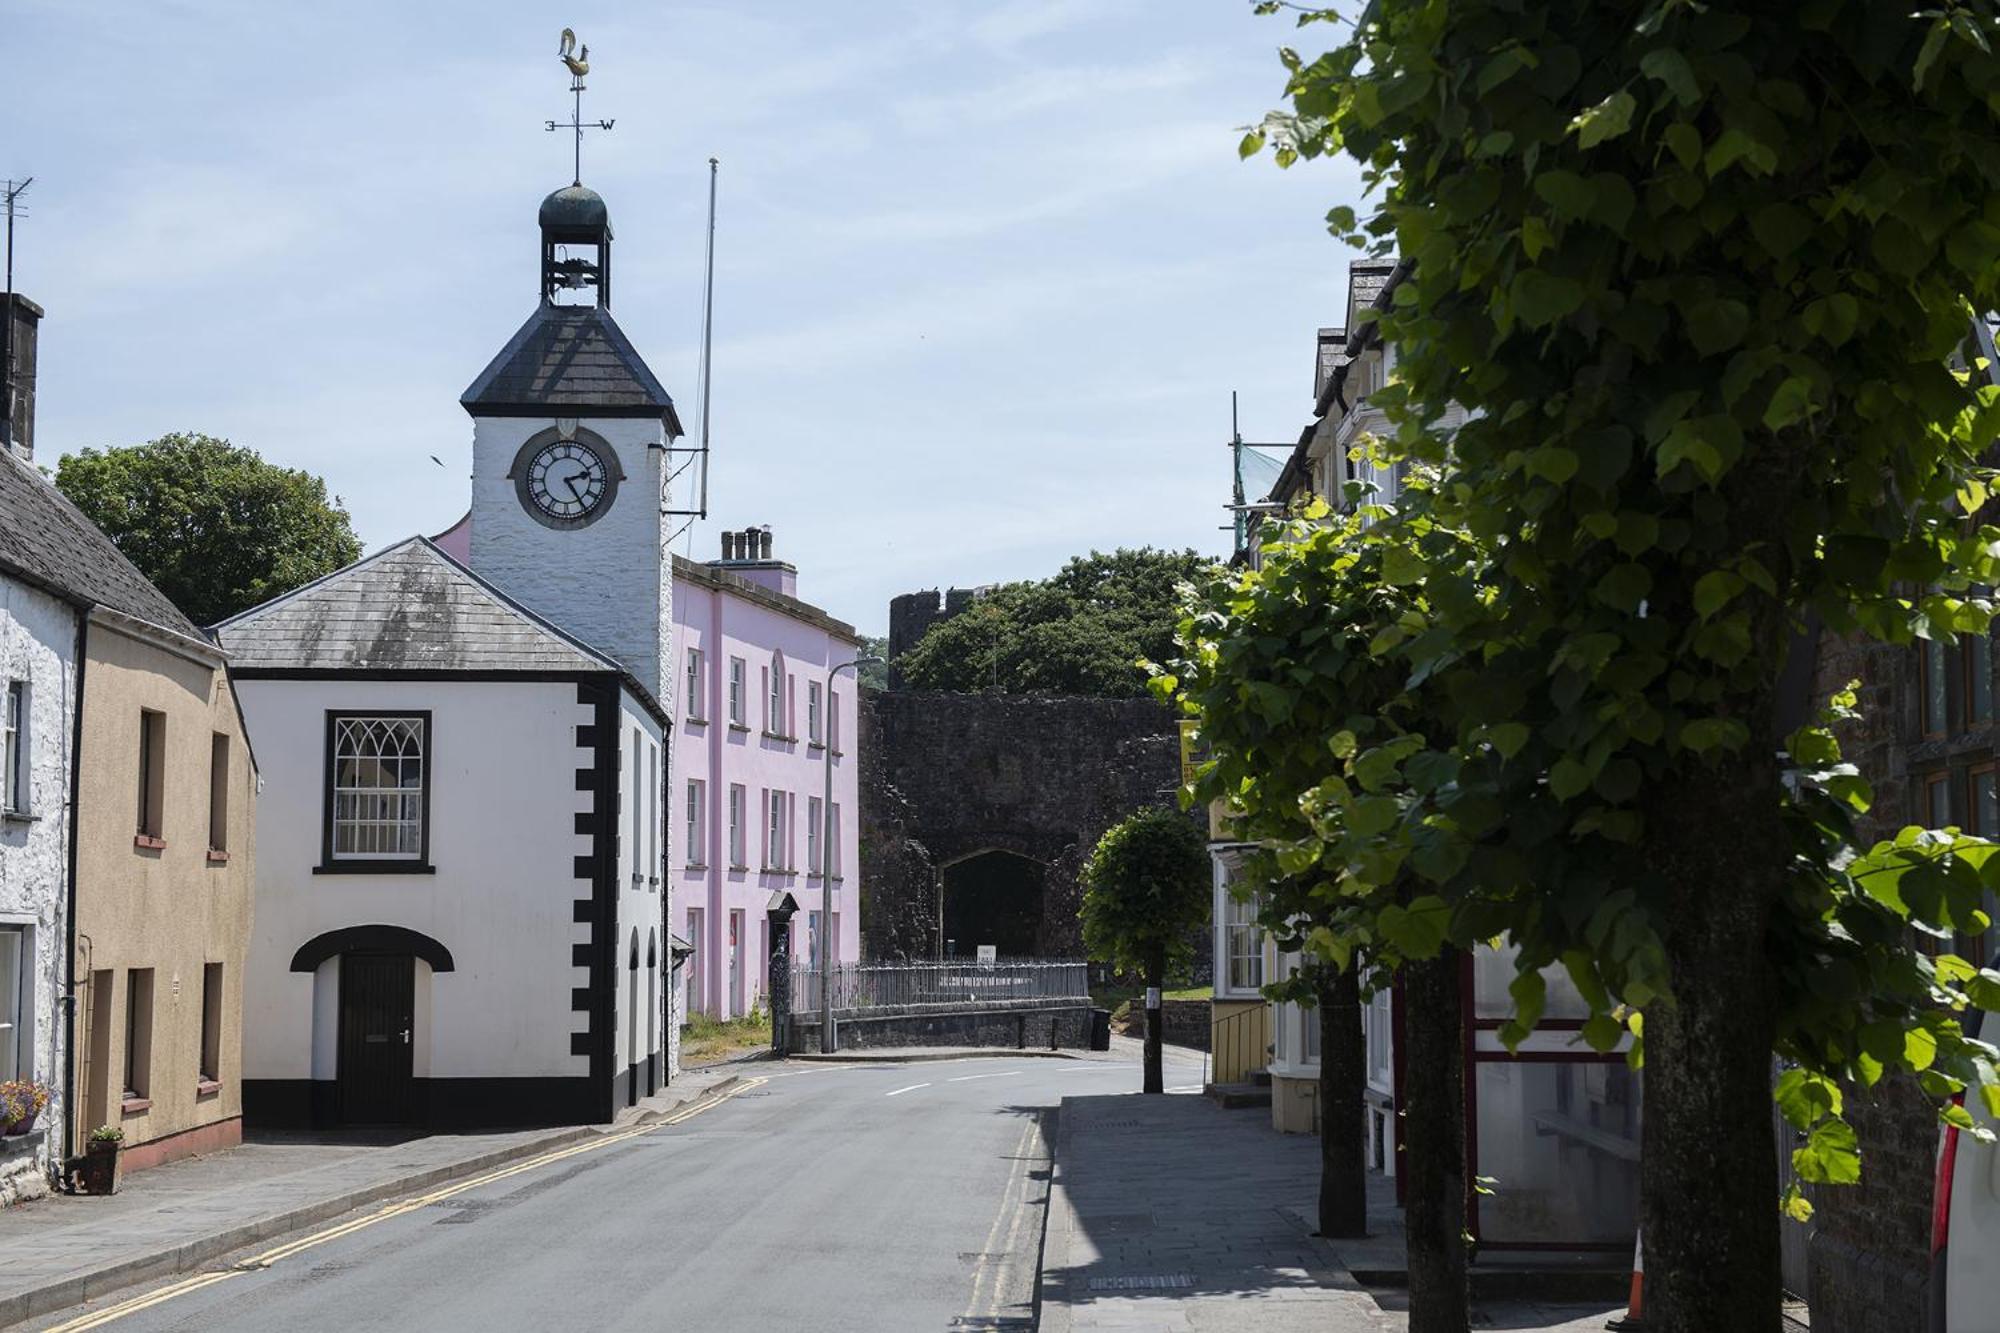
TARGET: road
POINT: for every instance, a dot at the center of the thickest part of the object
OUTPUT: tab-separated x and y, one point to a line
873	1197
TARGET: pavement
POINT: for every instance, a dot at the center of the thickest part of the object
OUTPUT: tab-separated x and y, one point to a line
1174	1215
63	1249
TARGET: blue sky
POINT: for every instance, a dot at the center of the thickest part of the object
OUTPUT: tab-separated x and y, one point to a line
986	272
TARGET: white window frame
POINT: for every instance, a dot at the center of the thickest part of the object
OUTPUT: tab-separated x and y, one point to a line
695	673
832	718
815	714
1231	926
739	671
815	813
738	798
394	814
17	1026
774	829
697	823
14	800
833	851
774	697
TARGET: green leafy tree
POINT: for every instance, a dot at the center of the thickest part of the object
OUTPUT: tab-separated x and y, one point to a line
1145	890
874	675
1703	272
216	527
1081	631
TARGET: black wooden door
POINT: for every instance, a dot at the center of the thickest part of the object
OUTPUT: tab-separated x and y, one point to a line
376	1004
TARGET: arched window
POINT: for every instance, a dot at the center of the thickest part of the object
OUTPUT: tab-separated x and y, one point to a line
379	785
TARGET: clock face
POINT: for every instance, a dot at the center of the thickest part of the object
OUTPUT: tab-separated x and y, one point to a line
566	481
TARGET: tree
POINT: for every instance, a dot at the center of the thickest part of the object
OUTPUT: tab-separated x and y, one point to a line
214	525
1081	631
1705	311
1315	734
1145	890
874	675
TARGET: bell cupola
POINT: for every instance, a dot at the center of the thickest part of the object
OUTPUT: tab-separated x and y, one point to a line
576	248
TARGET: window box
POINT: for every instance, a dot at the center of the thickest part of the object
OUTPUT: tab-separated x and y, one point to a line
816	745
19	817
738	726
695	865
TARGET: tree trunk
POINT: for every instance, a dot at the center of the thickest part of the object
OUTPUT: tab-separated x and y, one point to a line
1343	1077
1434	1141
1156	979
1708	1159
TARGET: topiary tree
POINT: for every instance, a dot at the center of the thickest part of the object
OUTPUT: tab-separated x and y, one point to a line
1145	890
217	528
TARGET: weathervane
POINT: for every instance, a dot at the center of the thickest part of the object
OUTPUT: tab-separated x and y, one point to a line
578	60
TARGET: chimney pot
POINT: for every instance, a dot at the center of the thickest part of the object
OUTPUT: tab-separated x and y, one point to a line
764	544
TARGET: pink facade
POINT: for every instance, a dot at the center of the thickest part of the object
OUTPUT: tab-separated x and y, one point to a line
755	717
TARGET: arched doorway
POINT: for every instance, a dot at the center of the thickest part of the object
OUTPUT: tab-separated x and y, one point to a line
372	971
993	897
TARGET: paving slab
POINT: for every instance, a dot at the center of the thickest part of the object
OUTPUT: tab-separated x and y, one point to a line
63	1249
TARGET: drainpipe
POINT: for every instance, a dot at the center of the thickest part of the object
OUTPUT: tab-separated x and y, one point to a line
69	901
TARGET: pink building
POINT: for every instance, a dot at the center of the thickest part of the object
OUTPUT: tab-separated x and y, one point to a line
756	719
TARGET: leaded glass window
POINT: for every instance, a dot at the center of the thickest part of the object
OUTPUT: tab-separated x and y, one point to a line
378	787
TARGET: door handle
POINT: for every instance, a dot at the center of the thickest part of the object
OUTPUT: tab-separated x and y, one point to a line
406	1036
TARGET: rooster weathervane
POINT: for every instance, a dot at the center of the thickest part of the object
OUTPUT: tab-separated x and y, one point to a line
577	59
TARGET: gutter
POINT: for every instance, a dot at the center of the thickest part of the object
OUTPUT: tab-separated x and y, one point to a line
199	651
70	1112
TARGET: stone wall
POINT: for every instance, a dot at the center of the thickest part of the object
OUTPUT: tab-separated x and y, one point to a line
945	777
1869	1256
1029	1024
1185	1023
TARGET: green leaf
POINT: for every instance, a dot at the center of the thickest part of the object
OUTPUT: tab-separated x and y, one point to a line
1708	733
1552	463
1671	68
1569	194
1684	142
1794	1204
1625	586
1736	145
1508	738
1607	120
1568	778
1791	402
1933	46
1539	297
1402	566
1919	1048
1831	1155
1781	228
1342	744
1602	1032
1717	324
1805	1097
1713	590
1832	318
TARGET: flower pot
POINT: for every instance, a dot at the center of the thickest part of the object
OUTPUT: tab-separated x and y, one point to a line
20	1126
98	1172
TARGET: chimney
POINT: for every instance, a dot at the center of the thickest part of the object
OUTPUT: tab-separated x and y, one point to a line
748	554
17	376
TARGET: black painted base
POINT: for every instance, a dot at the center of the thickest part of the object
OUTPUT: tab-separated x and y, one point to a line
437	1103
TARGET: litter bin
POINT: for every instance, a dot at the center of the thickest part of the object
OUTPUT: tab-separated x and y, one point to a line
1100	1029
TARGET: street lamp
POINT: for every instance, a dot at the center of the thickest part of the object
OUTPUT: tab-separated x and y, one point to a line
826	1042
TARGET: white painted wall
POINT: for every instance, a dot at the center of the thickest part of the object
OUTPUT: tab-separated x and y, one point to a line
608	584
38	645
503	841
642	884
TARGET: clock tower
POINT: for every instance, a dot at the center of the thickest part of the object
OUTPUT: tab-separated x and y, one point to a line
569	448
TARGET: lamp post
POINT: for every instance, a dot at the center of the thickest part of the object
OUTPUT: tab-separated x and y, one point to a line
826	1042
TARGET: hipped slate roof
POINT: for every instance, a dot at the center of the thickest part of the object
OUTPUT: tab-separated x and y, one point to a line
574	357
46	540
408	608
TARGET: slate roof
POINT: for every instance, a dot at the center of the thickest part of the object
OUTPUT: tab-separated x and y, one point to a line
570	356
47	541
408	608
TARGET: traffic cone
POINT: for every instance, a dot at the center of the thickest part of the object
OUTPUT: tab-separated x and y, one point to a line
1632	1320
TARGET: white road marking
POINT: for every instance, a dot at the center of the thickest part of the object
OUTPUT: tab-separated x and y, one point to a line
967	1078
900	1091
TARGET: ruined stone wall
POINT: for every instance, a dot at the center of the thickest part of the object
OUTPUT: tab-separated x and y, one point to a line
946	776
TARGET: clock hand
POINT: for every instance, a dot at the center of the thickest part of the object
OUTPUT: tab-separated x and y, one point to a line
570	481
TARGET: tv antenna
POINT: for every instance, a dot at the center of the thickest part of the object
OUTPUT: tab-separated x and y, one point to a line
12	192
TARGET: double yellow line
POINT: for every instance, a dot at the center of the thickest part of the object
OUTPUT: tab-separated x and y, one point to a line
258	1263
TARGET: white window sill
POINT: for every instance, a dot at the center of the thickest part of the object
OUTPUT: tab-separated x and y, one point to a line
19	817
1293	1069
1252	994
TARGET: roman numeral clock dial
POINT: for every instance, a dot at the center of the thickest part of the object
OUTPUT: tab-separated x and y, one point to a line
565	483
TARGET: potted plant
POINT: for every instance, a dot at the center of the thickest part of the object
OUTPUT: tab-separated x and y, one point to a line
21	1100
98	1172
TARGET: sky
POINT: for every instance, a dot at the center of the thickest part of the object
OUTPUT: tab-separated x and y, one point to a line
987	271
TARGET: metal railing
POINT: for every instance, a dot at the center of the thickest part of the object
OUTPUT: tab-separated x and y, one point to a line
1239	1045
955	981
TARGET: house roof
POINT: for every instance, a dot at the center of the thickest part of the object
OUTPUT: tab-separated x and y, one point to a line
708	575
410	608
47	541
574	357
